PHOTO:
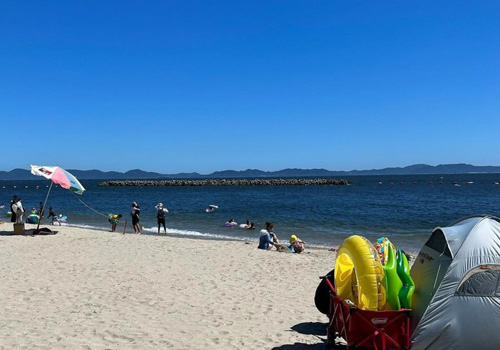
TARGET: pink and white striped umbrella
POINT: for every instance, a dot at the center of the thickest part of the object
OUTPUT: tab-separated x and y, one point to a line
58	176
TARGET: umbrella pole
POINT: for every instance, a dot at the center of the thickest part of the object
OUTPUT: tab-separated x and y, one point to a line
39	220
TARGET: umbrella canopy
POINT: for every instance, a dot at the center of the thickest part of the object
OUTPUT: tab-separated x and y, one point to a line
58	176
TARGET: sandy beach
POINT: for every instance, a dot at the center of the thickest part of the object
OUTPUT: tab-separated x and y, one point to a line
87	289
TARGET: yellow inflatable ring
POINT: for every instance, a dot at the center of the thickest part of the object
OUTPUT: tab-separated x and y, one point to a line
359	274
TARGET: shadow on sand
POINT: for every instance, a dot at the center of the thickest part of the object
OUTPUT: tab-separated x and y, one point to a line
311	328
317	329
30	233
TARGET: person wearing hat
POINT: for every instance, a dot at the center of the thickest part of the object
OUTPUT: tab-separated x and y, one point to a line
113	220
296	244
160	215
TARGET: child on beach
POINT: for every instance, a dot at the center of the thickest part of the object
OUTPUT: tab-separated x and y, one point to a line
113	220
54	217
296	244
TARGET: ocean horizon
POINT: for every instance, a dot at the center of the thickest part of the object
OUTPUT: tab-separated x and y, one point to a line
405	208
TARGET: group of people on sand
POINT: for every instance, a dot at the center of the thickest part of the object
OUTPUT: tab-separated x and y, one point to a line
17	211
268	240
135	214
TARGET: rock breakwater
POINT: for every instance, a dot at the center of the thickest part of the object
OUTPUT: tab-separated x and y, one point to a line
231	182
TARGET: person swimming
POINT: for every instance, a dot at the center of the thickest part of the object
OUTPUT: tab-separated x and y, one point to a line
231	223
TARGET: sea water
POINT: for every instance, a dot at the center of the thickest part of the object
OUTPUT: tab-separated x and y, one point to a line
404	208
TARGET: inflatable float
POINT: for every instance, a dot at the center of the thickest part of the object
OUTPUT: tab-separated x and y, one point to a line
403	269
62	217
359	274
32	219
392	281
211	208
373	277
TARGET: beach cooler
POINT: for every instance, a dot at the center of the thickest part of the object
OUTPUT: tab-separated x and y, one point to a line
364	329
19	229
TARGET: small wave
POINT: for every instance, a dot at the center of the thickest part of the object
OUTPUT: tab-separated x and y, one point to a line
190	233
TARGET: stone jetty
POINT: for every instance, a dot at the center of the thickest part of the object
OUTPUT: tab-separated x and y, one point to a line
230	182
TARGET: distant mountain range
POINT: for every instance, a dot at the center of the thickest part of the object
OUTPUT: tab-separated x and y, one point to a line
137	174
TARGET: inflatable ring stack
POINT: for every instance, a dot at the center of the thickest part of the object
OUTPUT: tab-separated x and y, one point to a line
406	291
391	281
373	277
359	274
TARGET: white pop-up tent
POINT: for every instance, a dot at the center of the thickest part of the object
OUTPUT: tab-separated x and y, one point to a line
456	303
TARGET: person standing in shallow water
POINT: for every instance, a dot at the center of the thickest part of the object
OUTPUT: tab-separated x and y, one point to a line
135	213
160	215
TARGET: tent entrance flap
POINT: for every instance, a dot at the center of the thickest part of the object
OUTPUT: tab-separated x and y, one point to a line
438	242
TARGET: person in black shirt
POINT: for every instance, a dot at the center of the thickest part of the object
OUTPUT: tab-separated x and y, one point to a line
54	217
135	213
160	215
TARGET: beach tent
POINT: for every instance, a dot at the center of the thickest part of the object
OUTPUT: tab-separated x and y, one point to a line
456	303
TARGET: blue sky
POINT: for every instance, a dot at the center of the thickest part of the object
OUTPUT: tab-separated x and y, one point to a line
183	86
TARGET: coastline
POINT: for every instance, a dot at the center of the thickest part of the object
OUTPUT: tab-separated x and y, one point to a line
84	288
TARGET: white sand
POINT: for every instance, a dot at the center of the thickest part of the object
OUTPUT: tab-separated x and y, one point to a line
85	289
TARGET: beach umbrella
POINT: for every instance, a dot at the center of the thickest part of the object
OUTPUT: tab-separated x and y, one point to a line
59	176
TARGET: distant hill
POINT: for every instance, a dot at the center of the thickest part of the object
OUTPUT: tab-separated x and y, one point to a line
137	174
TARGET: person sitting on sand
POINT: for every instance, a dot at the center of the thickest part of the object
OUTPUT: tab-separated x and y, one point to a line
296	244
113	220
270	229
268	239
54	217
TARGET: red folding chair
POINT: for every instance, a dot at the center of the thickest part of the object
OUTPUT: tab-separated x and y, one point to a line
367	329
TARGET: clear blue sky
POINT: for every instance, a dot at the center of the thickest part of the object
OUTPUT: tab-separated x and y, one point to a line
182	86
